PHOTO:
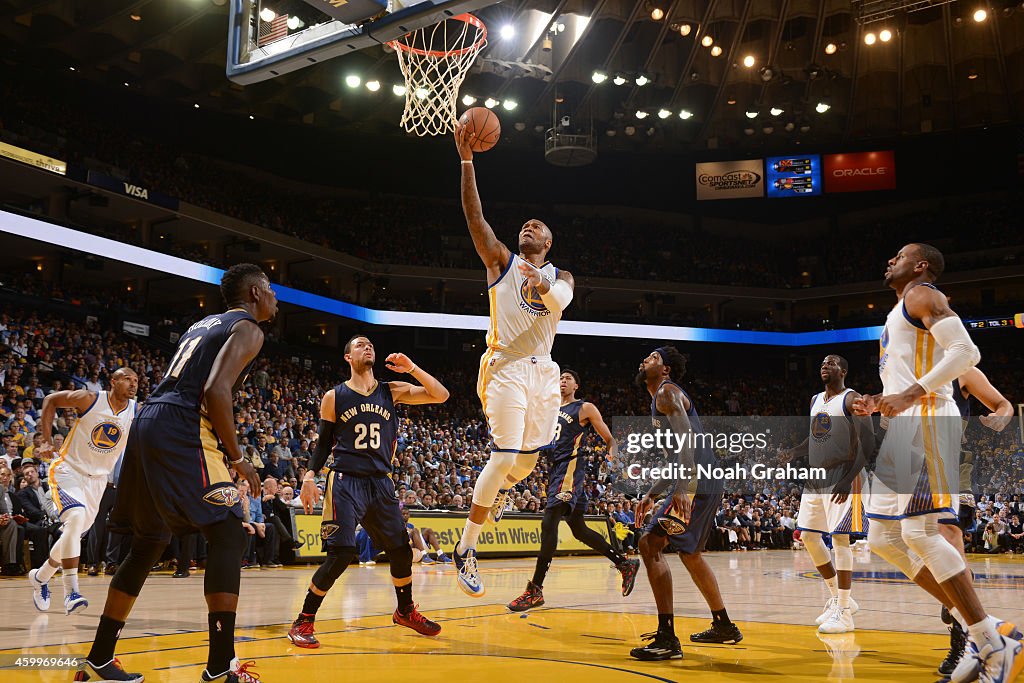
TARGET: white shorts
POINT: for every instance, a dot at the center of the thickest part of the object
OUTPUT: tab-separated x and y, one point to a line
520	398
819	513
918	466
70	488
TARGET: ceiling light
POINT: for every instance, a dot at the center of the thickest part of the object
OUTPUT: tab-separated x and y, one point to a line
599	77
716	51
294	23
353	81
830	49
629	130
789	126
685	29
775	111
657	14
373	86
509	105
664	113
641	114
685	114
196	105
707	41
72	68
822	107
980	15
885	35
731	100
126	84
508	32
399	90
748	61
490	103
749	130
869	38
768	129
267	14
972	75
751	113
422	93
619	79
468	100
135	17
251	117
642	80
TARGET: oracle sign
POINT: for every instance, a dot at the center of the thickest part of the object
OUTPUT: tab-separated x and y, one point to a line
860	171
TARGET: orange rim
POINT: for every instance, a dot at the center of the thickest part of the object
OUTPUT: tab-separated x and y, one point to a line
469	19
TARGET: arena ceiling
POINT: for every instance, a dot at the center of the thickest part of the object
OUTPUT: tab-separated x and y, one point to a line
813	75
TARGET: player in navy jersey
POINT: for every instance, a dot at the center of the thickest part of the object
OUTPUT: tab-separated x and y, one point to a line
359	426
174	478
679	524
566	497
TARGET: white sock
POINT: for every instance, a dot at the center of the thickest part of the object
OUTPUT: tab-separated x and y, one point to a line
69	577
46	572
833	586
844	598
469	536
984	633
955	613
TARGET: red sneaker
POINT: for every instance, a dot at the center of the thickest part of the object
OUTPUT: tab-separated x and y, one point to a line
301	633
531	597
417	622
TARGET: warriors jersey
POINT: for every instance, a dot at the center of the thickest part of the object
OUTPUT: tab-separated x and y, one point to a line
98	438
907	351
520	322
365	431
828	444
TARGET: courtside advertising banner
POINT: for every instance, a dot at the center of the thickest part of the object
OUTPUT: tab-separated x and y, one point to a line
730	179
860	171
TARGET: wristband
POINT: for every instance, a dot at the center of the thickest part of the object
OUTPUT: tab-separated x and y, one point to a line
235	462
467	161
414	369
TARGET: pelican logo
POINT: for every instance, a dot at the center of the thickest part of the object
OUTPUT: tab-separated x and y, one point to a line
105	435
821	425
564	496
673	526
328	529
226	496
531	299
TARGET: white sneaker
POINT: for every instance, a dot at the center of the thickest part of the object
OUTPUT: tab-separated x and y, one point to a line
830	605
498	509
839	621
75	602
468	574
1001	665
967	668
40	592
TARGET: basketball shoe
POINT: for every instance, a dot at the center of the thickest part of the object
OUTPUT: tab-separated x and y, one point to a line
629	570
830	605
75	602
416	621
109	672
40	591
237	673
532	597
727	634
840	621
302	632
467	573
498	509
662	646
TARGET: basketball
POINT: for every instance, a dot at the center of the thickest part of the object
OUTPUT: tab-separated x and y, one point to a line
484	129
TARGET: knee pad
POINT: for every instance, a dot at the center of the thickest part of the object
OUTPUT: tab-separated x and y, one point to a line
131	574
493	478
525	464
401	561
227	543
73	526
921	534
843	551
885	540
816	548
337	561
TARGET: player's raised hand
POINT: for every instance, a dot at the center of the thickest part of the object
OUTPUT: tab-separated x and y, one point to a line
399	362
530	274
462	142
996	423
309	495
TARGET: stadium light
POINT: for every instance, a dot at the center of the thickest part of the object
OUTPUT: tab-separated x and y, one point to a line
869	38
657	14
619	79
642	80
885	35
267	14
353	81
751	113
421	93
373	86
707	41
468	100
980	15
685	29
831	48
508	32
716	51
664	113
399	90
776	111
685	114
641	114
599	77
294	23
490	103
509	105
749	61
822	107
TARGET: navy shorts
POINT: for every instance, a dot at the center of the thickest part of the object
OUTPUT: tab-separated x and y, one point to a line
965	519
174	478
703	508
565	484
370	501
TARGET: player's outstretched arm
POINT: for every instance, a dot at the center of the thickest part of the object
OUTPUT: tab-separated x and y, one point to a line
79	399
978	385
493	253
431	391
589	414
241	348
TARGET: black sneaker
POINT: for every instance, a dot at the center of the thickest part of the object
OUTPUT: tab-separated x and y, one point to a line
629	570
662	646
111	672
957	644
726	634
532	597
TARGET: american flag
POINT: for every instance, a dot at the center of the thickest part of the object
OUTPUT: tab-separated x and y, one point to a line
272	30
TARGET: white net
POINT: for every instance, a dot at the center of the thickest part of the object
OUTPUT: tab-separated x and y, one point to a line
435	60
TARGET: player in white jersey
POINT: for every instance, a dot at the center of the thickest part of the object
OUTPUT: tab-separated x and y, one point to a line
518	381
834	506
78	476
924	347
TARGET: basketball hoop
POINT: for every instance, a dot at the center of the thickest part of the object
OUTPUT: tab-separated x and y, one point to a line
435	60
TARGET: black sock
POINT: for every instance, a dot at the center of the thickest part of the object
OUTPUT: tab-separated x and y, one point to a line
106	639
404	594
541	571
222	642
616	558
720	617
312	603
666	625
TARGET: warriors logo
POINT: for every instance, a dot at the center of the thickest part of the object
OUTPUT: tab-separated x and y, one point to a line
105	436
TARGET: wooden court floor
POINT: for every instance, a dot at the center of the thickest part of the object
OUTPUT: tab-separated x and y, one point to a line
583	633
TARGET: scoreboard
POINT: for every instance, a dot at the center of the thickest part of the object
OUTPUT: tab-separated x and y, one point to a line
996	322
793	176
